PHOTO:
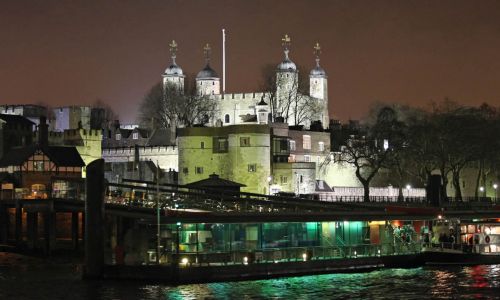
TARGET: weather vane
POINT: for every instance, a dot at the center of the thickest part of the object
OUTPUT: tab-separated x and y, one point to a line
207	51
317	49
286	41
173	48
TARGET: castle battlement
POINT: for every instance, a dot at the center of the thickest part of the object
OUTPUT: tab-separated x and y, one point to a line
143	150
82	132
229	96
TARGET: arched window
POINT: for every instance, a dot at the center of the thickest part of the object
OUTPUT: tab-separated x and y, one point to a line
226	119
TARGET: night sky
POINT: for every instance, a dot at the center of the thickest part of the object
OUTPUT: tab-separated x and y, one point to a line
74	52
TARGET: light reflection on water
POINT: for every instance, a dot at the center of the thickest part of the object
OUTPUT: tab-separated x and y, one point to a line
431	283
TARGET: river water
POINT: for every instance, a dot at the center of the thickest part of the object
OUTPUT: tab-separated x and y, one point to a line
26	278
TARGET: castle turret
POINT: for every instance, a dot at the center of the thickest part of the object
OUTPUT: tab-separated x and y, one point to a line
173	75
287	81
318	88
207	80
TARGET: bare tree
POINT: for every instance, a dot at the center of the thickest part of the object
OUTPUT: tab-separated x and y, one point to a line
101	115
170	107
371	149
292	103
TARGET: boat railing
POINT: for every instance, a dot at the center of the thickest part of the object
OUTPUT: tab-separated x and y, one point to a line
486	248
288	254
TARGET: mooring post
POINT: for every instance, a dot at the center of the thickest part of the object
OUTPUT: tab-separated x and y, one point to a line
4	224
74	229
49	224
32	223
94	220
19	223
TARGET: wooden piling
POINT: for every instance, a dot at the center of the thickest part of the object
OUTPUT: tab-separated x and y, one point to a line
94	220
74	230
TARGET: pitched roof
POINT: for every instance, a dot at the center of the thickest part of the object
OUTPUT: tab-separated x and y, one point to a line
61	156
15	119
322	186
17	156
125	133
214	181
64	156
160	137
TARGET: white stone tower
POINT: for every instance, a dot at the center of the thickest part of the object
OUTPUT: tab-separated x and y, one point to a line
318	88
173	75
287	81
262	112
207	80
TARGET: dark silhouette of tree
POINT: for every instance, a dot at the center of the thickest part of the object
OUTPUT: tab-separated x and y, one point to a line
374	147
293	102
170	107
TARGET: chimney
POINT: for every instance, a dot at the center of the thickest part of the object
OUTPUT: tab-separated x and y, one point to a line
43	132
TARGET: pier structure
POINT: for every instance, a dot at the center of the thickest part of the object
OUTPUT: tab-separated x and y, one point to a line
206	234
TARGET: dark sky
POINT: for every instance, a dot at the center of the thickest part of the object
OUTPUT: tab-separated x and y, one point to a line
74	52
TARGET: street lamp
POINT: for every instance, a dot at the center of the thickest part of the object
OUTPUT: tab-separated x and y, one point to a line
481	189
269	182
495	186
408	188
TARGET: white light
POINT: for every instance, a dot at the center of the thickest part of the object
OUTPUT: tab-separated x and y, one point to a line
178	223
304	256
440	217
408	187
185	261
269	179
355	254
378	252
245	260
495	186
481	188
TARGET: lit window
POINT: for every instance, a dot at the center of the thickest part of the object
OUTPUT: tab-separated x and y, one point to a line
199	170
321	146
306	141
307	158
386	144
38	165
135	135
252	168
291	158
292	145
118	136
244	141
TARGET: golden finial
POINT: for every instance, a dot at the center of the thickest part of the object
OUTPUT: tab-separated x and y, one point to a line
317	49
173	47
207	51
286	41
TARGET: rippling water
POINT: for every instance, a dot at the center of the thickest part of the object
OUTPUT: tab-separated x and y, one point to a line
49	281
